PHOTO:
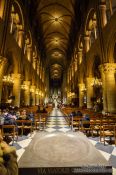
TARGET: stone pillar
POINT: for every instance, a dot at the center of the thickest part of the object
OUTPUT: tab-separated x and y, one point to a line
29	53
80	56
16	89
37	97
108	71
75	65
27	93
20	38
81	94
5	13
101	68
87	43
2	8
33	94
3	62
89	82
103	15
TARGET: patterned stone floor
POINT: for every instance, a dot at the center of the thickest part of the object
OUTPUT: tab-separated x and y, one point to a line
57	123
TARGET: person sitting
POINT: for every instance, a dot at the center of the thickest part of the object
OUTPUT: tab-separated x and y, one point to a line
8	158
72	114
79	113
1	118
30	116
23	115
44	110
85	121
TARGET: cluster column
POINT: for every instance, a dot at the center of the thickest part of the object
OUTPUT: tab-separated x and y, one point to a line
81	94
108	71
20	38
27	93
103	15
37	97
87	43
89	82
16	89
3	61
33	94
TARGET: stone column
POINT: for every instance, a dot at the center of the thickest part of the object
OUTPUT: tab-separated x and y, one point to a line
108	71
37	97
3	61
29	53
87	43
33	94
101	68
81	94
80	56
5	12
27	93
2	8
89	82
16	89
103	15
20	38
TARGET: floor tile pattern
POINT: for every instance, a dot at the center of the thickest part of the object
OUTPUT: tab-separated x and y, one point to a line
57	123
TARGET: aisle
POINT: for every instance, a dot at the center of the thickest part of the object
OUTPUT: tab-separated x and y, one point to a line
54	148
56	122
56	130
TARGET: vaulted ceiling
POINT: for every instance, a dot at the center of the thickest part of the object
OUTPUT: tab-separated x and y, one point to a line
54	21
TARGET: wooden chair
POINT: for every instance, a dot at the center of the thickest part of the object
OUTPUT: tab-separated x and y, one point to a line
96	126
20	126
42	120
85	126
24	125
75	122
27	125
107	131
10	131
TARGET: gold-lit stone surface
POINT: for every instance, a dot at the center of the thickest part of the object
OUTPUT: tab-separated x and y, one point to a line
61	150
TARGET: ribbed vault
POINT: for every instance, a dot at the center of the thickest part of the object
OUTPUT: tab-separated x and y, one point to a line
55	18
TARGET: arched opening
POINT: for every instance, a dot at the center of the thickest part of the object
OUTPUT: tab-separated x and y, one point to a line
97	84
16	23
7	87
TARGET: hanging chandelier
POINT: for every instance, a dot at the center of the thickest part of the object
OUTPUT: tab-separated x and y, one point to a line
97	82
8	79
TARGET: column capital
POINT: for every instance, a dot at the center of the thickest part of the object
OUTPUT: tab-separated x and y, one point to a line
29	48
86	38
107	67
32	88
81	85
16	76
102	6
21	32
89	81
27	83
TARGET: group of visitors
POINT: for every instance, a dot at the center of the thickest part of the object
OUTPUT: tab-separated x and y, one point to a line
10	116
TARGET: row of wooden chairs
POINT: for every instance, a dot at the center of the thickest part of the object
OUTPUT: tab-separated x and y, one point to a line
40	121
22	126
14	131
10	131
104	128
